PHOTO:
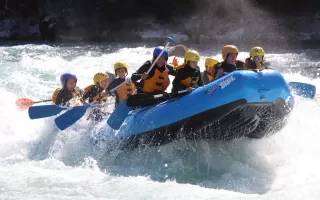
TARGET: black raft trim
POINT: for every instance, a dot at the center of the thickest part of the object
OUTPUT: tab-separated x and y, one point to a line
232	120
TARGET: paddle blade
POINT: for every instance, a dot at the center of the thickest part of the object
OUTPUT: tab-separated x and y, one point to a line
37	112
303	89
70	117
170	39
24	103
119	115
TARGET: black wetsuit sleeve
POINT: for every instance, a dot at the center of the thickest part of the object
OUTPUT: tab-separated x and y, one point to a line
171	70
114	84
205	78
176	84
137	75
200	82
63	97
239	64
94	91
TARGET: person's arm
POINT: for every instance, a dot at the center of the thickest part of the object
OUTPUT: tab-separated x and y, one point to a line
200	82
239	64
205	78
62	98
171	70
135	77
177	85
94	91
112	85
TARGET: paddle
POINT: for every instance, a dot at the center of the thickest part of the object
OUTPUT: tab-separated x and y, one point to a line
25	103
303	89
121	112
178	50
37	112
72	116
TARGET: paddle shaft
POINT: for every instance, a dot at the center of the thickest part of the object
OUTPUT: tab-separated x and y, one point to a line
48	100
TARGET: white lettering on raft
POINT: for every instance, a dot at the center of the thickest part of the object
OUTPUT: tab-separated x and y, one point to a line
222	85
226	82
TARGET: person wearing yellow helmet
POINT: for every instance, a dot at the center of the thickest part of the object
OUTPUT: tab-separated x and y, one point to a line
157	80
255	61
69	90
188	74
97	89
208	74
123	92
230	63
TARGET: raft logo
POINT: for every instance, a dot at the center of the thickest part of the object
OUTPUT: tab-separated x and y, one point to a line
210	91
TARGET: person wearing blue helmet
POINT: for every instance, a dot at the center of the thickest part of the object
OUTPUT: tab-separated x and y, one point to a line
69	90
157	80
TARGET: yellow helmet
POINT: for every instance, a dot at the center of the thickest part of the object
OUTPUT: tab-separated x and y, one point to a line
228	49
99	77
191	55
210	62
256	51
120	64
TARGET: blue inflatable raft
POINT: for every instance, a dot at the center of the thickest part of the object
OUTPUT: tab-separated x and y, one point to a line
242	103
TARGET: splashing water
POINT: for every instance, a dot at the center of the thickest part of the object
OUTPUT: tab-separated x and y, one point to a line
40	162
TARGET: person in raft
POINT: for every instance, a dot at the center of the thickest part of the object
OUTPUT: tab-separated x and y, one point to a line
97	91
124	91
188	75
69	90
255	61
208	74
229	63
157	81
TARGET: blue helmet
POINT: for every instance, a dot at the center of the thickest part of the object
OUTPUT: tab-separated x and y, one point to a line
157	51
64	77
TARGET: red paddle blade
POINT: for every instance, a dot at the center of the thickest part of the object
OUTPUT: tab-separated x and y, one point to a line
24	103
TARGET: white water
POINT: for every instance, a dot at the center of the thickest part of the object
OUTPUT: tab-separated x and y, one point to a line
39	162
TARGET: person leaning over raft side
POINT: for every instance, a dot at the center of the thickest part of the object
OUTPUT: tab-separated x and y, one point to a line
229	63
69	90
188	74
255	61
95	91
157	81
208	74
123	92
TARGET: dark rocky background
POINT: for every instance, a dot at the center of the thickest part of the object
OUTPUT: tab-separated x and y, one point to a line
250	22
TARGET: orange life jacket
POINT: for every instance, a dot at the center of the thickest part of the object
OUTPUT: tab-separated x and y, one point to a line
158	83
55	94
125	91
210	74
88	88
76	93
190	81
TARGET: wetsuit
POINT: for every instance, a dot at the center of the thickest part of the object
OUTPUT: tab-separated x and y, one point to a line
186	77
63	96
224	68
